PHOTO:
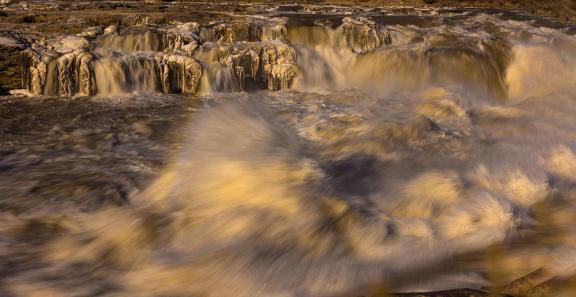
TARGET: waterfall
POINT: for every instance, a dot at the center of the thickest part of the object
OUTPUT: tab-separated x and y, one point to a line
134	42
117	74
353	55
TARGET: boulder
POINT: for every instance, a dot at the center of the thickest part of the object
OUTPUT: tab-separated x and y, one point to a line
362	35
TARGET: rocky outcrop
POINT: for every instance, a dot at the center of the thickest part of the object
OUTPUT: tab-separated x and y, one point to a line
178	74
231	32
253	30
279	66
247	55
257	65
362	35
63	75
183	38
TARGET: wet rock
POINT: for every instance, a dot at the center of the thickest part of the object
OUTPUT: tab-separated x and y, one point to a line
183	38
62	66
242	61
34	69
53	74
232	32
293	7
91	32
257	65
68	44
363	35
245	31
279	66
179	74
275	32
246	64
111	29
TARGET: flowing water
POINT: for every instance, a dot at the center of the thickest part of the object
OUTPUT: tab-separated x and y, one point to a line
295	155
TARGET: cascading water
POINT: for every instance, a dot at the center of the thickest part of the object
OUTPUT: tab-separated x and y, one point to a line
146	41
400	58
118	74
333	154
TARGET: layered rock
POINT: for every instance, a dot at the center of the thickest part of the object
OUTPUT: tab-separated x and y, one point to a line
75	74
60	66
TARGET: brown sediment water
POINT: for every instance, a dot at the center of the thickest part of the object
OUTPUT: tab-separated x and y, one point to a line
317	151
